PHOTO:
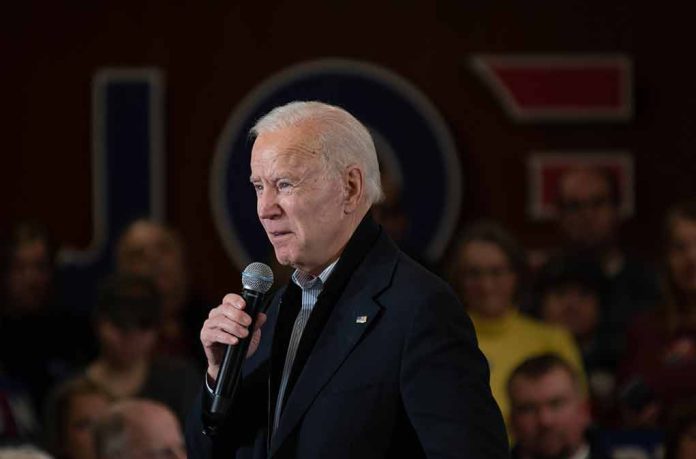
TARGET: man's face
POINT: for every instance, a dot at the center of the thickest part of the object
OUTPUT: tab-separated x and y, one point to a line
83	412
488	280
300	199
572	306
548	415
29	276
149	250
588	217
681	255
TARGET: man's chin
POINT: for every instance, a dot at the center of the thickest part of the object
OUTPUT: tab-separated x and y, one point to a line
553	452
560	455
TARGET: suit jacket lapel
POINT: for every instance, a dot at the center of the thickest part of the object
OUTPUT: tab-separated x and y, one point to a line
342	332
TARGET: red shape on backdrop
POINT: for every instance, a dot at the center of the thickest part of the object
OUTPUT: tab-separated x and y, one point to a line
543	88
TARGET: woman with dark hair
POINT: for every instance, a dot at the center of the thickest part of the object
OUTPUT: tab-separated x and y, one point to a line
661	351
489	273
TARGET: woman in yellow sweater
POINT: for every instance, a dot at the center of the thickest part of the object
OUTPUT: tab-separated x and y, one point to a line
488	271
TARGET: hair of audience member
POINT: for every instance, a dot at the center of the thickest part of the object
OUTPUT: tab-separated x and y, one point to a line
673	297
540	365
682	419
342	139
129	301
23	452
603	173
58	408
568	270
490	231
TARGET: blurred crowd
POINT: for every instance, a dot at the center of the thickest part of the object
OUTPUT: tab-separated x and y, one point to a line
592	350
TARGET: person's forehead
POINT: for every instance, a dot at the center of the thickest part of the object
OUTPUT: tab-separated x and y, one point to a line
482	251
583	182
153	424
683	227
285	149
148	236
31	249
554	383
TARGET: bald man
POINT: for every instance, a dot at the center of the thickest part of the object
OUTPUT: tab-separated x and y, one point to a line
139	429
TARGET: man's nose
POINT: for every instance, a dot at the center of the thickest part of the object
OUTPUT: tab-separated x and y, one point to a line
546	417
266	204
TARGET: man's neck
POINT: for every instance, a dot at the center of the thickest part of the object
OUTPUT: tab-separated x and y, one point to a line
582	451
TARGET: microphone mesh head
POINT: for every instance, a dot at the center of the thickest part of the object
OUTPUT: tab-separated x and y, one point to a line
257	277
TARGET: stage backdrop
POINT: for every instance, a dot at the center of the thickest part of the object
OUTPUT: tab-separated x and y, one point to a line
112	111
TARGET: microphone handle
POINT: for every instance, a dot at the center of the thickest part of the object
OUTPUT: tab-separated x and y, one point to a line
231	368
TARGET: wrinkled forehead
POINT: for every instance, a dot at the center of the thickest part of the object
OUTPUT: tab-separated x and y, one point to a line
291	148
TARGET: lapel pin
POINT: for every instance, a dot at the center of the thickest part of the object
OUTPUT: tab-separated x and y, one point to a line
361	320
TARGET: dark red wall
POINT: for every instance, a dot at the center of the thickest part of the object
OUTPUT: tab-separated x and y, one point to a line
213	53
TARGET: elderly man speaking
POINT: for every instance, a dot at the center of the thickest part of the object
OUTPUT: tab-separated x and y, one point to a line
365	354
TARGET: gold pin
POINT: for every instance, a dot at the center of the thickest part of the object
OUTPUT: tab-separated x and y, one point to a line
361	320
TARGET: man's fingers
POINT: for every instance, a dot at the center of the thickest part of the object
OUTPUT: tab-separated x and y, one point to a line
260	320
219	337
231	313
234	300
225	325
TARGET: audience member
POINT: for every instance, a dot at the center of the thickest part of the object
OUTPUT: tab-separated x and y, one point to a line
489	274
151	249
569	292
680	441
139	429
661	350
23	452
71	412
549	413
588	209
125	320
41	343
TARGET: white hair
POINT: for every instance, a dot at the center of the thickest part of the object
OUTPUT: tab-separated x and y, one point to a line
342	139
23	452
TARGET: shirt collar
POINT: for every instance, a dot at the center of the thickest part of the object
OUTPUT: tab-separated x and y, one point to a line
306	281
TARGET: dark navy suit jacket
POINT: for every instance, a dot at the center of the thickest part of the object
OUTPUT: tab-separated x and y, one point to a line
395	372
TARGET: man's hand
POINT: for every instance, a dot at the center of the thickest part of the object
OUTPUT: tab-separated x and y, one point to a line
227	324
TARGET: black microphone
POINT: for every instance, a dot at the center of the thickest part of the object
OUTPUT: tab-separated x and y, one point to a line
257	279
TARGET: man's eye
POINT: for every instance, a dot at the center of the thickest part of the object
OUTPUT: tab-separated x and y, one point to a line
258	187
284	185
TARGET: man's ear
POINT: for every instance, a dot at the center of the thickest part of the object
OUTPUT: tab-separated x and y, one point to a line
354	188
